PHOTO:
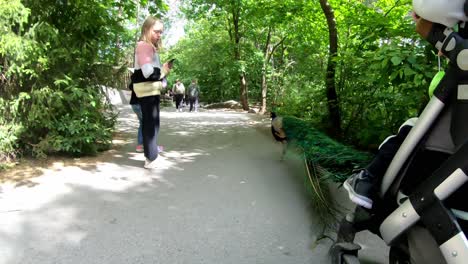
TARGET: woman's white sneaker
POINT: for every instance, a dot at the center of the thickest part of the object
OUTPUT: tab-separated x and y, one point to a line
150	164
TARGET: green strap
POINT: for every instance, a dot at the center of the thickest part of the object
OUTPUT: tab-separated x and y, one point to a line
435	81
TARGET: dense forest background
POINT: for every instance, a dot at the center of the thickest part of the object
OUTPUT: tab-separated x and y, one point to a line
355	69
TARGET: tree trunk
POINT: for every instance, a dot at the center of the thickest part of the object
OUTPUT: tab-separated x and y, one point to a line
3	80
268	53
264	93
243	81
266	59
332	97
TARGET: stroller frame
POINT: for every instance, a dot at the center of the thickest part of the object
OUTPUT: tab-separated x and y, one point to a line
397	214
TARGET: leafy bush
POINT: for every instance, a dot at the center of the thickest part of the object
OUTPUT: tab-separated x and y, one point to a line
51	72
8	138
77	121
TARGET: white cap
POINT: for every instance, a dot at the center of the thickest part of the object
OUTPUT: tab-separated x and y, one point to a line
446	12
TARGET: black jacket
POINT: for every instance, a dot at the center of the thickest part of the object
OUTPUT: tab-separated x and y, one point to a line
138	77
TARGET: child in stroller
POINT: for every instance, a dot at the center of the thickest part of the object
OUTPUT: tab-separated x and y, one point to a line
418	206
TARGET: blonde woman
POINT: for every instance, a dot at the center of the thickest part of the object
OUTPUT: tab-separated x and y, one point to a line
147	84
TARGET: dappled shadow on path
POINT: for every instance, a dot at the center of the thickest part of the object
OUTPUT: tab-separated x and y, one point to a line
71	227
179	141
218	180
89	209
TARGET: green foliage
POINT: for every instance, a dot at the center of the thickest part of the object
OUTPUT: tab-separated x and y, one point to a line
218	79
338	159
217	56
8	137
381	89
73	122
301	98
55	57
383	68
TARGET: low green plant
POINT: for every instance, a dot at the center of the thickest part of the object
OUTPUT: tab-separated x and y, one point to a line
78	121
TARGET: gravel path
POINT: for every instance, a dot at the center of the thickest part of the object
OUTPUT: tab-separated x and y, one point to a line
220	195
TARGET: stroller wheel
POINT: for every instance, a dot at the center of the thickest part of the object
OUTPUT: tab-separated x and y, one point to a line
398	256
350	259
344	253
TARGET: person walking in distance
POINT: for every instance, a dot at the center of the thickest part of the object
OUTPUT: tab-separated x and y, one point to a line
147	84
193	92
179	91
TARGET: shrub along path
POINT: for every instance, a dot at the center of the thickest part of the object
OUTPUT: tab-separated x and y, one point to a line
220	195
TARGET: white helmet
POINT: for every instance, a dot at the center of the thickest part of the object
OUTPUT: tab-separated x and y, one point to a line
446	12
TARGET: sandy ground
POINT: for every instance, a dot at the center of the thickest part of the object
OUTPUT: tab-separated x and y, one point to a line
219	195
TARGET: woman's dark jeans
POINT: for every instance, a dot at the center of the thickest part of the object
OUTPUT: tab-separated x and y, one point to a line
150	111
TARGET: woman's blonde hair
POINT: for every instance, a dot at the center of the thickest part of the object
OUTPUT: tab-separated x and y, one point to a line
146	32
